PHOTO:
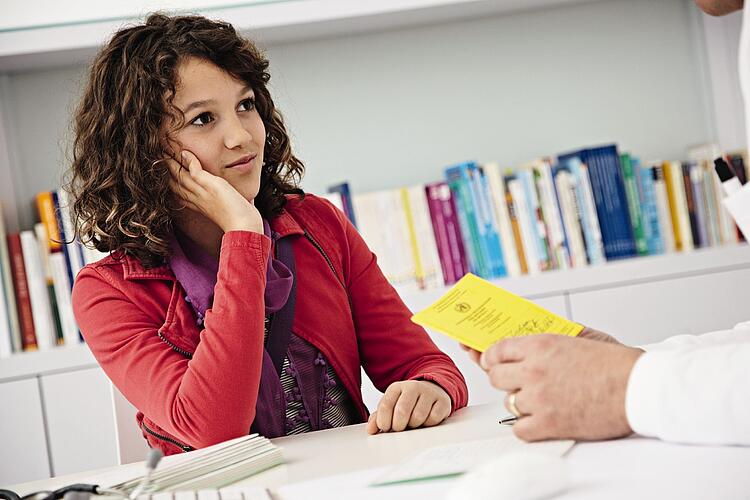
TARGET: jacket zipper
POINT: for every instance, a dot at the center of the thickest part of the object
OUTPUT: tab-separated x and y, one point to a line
330	264
183	447
174	347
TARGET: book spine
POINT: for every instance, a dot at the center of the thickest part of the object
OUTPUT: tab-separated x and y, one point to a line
459	252
634	204
500	206
617	203
667	221
535	219
570	216
516	228
649	209
44	252
691	204
9	293
587	210
491	232
61	287
46	335
46	209
525	224
23	298
67	249
474	188
712	212
439	228
550	203
413	244
599	203
701	212
6	335
458	183
426	243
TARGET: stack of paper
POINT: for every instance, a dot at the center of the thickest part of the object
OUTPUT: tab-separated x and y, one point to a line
212	467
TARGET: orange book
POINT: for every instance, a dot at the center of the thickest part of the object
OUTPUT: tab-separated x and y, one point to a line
46	207
516	232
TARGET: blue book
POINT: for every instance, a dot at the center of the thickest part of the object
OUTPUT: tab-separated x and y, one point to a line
590	227
526	177
611	202
459	182
346	199
649	211
492	233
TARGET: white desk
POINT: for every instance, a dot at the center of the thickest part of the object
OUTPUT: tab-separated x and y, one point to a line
623	469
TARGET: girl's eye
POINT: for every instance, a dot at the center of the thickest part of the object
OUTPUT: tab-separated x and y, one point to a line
247	104
202	119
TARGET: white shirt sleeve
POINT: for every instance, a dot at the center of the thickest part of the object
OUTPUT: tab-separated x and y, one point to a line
693	389
740	333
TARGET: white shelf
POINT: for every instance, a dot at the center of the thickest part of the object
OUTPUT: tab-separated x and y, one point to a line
55	360
273	22
611	274
607	276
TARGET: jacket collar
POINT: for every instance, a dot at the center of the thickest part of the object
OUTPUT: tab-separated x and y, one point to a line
132	269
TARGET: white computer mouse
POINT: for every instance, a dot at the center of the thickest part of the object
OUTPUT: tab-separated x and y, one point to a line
516	476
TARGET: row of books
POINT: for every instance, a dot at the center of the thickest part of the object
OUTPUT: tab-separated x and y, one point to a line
37	270
578	209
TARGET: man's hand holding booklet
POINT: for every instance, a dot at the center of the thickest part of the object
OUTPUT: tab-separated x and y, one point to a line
477	313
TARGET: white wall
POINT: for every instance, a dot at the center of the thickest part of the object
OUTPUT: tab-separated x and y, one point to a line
394	108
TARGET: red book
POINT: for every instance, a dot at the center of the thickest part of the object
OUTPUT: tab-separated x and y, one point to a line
441	233
23	299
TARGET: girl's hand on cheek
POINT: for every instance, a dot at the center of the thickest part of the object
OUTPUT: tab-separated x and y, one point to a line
212	196
408	405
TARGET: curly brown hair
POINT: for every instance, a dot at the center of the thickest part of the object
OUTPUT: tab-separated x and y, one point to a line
123	201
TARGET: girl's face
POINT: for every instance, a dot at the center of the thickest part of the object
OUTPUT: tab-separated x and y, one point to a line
222	127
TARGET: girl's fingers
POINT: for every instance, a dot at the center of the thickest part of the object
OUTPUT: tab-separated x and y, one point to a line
407	400
439	412
372	423
421	411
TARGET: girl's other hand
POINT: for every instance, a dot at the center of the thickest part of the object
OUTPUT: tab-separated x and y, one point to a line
408	405
212	196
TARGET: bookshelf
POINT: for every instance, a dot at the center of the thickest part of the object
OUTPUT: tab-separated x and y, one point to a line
40	69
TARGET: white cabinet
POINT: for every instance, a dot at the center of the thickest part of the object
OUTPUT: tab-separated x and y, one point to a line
23	450
80	420
649	312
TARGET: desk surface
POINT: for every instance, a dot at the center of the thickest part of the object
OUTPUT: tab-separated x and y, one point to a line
626	468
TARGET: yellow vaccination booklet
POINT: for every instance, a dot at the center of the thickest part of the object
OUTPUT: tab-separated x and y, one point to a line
477	313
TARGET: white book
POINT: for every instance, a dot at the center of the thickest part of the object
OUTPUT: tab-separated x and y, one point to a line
680	200
528	233
709	197
663	213
552	218
502	217
61	283
596	252
75	250
564	183
727	227
41	311
432	272
9	294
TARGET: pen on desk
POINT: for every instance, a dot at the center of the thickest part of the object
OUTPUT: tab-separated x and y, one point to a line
508	421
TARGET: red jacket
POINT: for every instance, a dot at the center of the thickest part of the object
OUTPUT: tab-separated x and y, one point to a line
194	388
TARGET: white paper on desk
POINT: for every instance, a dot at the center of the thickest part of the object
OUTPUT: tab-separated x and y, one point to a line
458	458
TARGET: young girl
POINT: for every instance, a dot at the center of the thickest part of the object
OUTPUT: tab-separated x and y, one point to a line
231	302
